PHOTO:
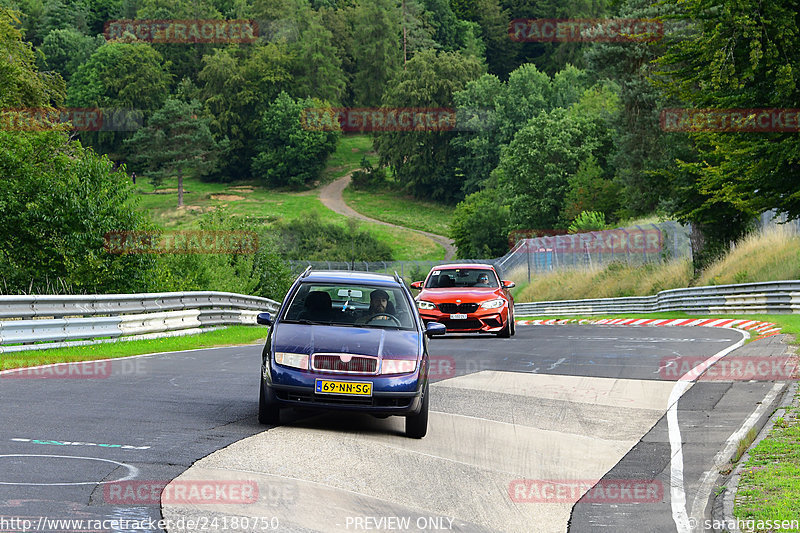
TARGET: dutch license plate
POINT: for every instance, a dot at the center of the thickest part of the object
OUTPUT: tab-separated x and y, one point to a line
350	388
460	316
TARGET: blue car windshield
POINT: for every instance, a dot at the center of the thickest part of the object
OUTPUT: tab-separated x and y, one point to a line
350	304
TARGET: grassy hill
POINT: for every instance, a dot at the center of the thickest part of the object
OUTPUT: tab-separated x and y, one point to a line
397	208
267	206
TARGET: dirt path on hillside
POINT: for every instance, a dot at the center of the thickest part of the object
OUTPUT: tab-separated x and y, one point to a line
331	196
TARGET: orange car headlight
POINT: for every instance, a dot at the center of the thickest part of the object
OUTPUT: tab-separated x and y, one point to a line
493	304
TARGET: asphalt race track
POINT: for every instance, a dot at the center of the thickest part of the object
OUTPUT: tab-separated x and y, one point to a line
532	433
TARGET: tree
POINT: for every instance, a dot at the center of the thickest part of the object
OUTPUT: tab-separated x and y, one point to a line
185	61
119	76
509	106
642	148
478	152
551	57
588	221
376	49
501	51
237	86
424	162
67	49
588	190
418	31
57	202
745	54
536	167
319	71
289	154
21	85
444	23
176	140
480	225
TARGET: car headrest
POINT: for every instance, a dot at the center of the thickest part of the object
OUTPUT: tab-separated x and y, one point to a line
318	301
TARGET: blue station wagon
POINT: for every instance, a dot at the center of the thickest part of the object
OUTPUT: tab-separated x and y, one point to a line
348	341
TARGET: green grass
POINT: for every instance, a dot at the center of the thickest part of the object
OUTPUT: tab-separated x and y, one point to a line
768	255
769	488
229	336
348	154
397	208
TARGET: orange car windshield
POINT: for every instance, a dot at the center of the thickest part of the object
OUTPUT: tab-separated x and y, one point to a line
462	278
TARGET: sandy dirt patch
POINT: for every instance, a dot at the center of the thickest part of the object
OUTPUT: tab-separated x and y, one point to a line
226	197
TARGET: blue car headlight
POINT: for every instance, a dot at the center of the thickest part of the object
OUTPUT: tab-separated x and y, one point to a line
294	360
398	366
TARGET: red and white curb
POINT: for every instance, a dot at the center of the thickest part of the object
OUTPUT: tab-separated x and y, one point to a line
765	329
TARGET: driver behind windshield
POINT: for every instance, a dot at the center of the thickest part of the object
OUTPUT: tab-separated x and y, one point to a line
483	280
379	304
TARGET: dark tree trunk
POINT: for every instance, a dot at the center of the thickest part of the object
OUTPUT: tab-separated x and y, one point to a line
180	187
697	237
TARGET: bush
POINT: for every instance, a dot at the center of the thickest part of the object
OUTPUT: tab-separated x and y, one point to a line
369	178
589	191
312	239
588	221
262	274
57	201
480	226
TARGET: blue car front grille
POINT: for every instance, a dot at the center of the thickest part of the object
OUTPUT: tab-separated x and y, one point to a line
355	364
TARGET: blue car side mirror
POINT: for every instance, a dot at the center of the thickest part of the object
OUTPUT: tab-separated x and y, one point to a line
264	319
435	328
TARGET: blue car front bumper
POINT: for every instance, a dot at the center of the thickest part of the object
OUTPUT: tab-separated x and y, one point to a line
391	395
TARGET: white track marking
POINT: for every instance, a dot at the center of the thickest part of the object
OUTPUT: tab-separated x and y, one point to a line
677	491
133	472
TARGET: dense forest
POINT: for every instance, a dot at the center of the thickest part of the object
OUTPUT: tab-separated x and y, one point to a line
565	127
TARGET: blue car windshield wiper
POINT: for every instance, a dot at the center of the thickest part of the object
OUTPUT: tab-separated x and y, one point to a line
306	321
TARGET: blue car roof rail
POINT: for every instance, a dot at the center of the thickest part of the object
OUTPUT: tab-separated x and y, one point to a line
306	272
397	278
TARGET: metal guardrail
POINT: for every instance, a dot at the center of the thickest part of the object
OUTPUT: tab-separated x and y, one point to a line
778	297
58	319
